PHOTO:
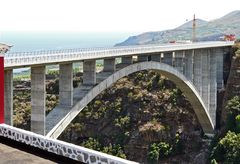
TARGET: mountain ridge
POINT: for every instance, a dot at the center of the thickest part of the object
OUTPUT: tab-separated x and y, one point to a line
212	30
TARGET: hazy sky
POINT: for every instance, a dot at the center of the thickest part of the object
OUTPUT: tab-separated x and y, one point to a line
107	15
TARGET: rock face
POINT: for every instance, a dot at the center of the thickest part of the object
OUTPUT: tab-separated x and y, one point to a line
137	111
205	31
233	85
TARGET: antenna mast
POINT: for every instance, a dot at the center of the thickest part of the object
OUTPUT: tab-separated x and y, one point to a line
194	29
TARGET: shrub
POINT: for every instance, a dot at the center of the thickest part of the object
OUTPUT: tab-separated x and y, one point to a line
165	149
213	161
237	120
92	143
122	122
115	150
153	154
233	106
227	149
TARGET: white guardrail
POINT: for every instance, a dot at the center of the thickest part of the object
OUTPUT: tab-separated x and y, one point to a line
22	59
58	147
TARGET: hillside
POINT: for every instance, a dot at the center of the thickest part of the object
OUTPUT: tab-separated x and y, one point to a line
205	31
138	115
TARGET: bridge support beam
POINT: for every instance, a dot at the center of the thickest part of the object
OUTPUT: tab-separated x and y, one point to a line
127	60
38	99
219	54
156	57
188	67
197	70
8	97
89	72
205	76
66	84
168	58
213	86
109	65
142	58
179	56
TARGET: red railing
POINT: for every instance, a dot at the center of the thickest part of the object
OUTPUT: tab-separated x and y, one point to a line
1	89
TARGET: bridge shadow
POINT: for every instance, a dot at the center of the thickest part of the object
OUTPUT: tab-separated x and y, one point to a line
36	151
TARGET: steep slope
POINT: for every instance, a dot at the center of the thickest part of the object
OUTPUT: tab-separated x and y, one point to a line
138	112
205	31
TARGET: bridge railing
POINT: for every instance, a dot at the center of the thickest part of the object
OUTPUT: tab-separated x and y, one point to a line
56	56
58	147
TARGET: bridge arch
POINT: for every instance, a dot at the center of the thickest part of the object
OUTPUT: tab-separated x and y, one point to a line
170	72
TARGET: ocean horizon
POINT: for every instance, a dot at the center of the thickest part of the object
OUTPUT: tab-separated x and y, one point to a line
37	41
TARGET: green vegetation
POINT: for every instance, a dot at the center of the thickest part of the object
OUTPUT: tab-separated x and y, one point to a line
137	112
227	148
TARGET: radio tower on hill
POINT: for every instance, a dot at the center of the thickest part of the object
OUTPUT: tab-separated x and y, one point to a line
194	29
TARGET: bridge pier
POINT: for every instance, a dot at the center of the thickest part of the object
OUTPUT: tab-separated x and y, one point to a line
156	57
197	70
89	72
127	60
219	54
213	86
142	58
38	99
109	65
179	56
168	58
188	67
66	84
205	76
8	97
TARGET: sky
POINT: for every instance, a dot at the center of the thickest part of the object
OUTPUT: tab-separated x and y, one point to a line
134	16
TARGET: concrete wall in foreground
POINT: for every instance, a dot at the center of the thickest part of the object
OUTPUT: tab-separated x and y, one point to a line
65	149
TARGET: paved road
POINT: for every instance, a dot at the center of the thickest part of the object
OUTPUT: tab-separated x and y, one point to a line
12	152
10	155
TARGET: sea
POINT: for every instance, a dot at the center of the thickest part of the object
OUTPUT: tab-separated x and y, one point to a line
37	41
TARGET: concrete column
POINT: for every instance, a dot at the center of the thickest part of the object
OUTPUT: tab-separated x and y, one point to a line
38	99
205	76
213	87
8	97
142	58
66	84
89	72
179	56
168	58
188	67
127	60
109	65
197	70
156	57
219	55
